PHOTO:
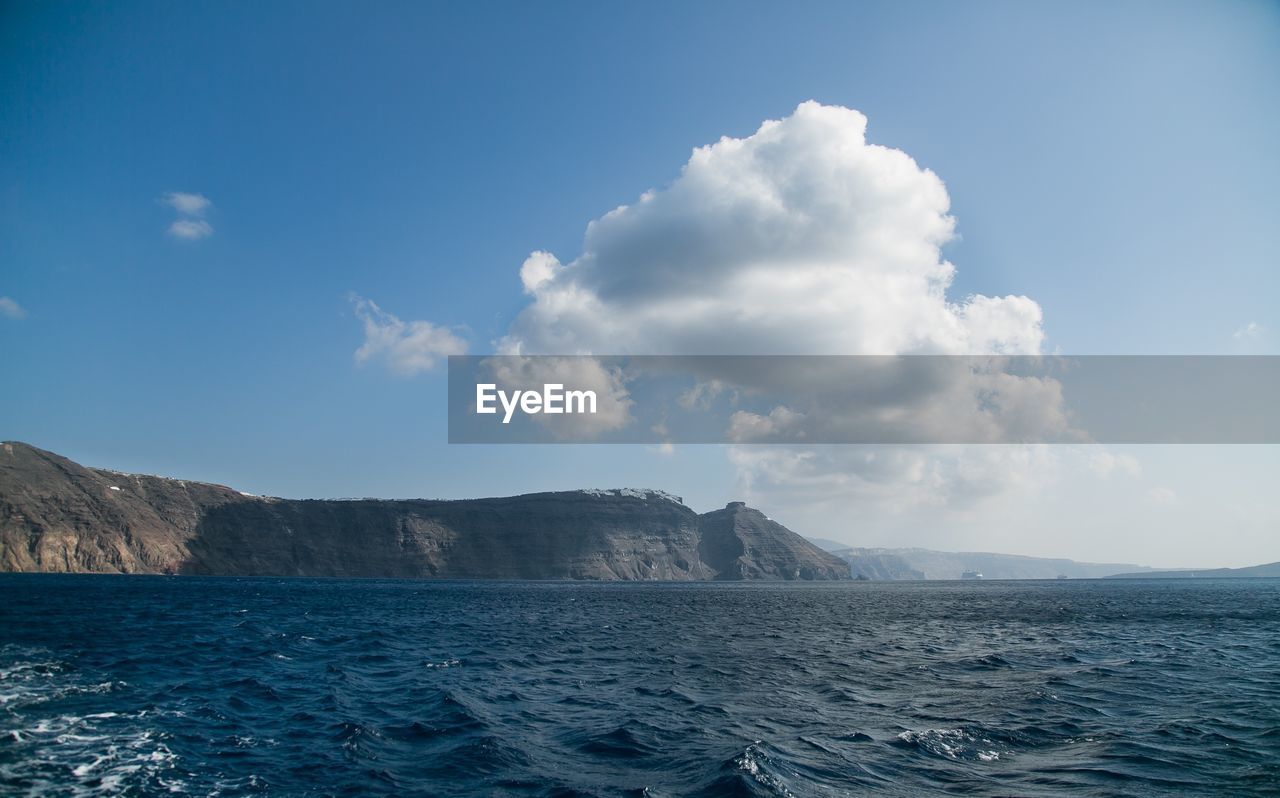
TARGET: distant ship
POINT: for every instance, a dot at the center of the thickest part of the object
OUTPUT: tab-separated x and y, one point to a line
1063	576
971	575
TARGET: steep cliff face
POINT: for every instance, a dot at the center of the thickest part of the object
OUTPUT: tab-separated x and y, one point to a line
56	515
741	543
573	535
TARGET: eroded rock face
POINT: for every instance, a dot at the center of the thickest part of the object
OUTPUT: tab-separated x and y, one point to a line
56	515
741	543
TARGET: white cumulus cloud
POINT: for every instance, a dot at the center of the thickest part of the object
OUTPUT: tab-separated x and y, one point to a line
404	347
538	269
802	238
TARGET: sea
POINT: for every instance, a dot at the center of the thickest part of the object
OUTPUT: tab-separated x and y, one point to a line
152	685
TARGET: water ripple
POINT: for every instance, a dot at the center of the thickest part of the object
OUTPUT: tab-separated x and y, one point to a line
126	686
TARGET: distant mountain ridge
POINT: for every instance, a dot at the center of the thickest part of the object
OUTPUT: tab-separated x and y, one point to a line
59	516
883	564
1269	570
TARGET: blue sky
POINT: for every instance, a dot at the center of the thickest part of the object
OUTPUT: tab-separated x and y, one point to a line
1115	162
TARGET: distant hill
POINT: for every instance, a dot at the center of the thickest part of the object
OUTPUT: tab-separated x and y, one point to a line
827	545
891	564
57	515
1271	570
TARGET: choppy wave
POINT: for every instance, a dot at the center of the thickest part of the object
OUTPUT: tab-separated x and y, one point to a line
141	686
57	741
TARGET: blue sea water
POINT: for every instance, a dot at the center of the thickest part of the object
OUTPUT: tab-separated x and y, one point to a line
153	685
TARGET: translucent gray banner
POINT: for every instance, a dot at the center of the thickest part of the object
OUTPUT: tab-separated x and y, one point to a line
864	399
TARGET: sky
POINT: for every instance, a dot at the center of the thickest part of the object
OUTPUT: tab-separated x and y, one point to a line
236	239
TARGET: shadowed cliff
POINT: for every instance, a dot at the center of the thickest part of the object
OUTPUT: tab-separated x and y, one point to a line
56	515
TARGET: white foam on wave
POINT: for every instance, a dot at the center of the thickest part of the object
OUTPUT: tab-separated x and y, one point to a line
754	762
954	744
106	752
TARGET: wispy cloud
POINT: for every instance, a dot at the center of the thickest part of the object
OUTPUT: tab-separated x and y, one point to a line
1249	332
11	309
191	208
404	347
187	204
190	229
1105	463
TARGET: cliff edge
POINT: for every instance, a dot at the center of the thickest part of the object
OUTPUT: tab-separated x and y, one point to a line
59	516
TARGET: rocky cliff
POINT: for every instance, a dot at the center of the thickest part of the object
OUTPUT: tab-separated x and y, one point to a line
56	515
741	543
